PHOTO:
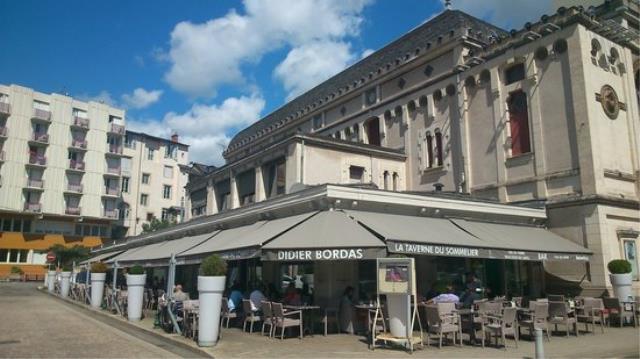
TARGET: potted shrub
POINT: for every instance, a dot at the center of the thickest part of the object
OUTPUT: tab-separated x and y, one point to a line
65	280
16	273
136	279
98	276
620	276
211	281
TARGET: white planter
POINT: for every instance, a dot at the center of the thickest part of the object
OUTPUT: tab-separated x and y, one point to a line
51	281
398	306
97	288
621	285
65	284
135	295
46	279
210	303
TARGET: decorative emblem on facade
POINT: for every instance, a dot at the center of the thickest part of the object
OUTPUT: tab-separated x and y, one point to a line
610	103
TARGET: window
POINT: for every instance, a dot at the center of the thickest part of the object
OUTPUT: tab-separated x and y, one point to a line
144	199
125	164
429	140
631	255
170	151
356	174
317	121
150	217
166	192
386	180
23	255
514	73
129	141
6	225
168	172
13	256
165	214
150	153
356	133
370	97
78	230
438	148
519	123
17	223
396	181
338	135
145	178
4	255
373	131
125	184
26	225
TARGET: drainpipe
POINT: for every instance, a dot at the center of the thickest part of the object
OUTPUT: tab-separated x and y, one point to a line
302	163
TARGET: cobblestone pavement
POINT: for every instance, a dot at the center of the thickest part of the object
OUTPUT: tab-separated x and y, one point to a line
33	324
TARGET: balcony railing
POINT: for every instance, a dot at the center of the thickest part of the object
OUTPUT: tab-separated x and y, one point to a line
198	203
79	144
74	211
117	129
114	170
114	149
81	122
111	213
111	191
74	187
33	207
35	183
3	131
5	109
42	115
77	165
39	160
40	137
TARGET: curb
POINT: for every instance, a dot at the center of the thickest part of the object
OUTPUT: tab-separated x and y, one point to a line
117	322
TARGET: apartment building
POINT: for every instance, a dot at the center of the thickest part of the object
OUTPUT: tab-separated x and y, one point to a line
154	173
544	116
60	173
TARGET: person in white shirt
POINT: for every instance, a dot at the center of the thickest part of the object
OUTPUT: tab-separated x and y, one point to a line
256	297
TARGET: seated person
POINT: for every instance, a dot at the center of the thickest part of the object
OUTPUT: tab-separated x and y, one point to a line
256	297
179	295
292	296
235	299
446	297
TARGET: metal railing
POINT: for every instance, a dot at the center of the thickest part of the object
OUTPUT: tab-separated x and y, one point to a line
81	122
73	187
75	211
43	115
117	129
79	144
35	183
110	191
32	207
40	137
114	170
111	213
115	149
76	165
37	159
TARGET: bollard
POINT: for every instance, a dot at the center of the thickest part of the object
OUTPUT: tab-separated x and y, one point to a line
539	344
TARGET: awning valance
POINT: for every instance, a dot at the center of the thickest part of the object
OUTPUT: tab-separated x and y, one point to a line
101	257
328	235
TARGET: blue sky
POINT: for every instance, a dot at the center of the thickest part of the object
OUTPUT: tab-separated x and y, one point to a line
207	68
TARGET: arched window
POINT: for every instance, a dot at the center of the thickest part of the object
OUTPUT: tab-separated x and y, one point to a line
429	140
396	180
373	131
347	133
519	123
338	135
356	133
385	179
438	150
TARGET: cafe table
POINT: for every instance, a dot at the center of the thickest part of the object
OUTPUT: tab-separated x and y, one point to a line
366	308
307	315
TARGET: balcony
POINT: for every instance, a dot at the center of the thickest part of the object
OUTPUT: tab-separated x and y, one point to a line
41	115
114	150
32	207
32	183
2	156
113	171
74	188
112	192
5	109
74	211
111	213
80	123
37	160
80	145
4	132
39	139
76	165
116	129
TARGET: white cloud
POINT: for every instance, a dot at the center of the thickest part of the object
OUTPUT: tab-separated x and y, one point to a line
512	14
102	97
141	98
307	65
366	53
206	128
206	55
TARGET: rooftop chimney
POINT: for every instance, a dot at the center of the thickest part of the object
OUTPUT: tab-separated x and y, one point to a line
174	137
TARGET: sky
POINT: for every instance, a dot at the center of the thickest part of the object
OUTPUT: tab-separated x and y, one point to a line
207	69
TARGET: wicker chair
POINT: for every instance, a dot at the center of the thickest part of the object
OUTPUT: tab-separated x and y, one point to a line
282	321
537	318
249	315
503	325
617	310
592	311
559	314
226	313
442	321
267	317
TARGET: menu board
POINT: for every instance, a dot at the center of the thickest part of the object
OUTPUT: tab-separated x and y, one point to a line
396	276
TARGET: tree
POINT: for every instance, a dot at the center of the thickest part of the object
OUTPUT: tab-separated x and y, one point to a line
65	256
157	224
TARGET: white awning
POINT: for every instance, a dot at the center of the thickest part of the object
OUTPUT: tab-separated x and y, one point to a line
100	257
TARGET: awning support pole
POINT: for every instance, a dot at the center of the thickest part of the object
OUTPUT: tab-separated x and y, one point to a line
114	292
87	296
171	278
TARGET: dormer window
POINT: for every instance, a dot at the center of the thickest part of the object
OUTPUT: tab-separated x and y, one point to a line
317	121
514	73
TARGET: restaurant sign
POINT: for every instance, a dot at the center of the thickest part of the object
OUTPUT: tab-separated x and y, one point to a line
323	254
475	252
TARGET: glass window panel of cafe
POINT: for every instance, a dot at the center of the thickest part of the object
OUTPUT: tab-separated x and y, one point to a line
300	275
